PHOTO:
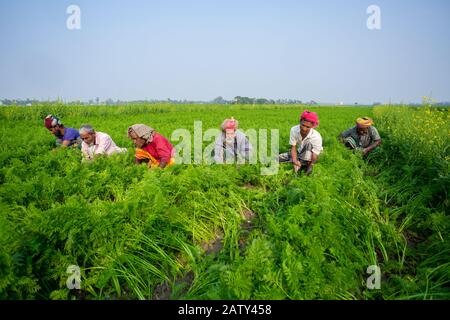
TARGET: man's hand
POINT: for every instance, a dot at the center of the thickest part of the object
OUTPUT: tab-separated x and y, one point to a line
294	159
65	143
297	165
365	151
162	164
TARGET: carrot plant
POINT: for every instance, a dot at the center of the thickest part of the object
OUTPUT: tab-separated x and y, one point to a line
221	231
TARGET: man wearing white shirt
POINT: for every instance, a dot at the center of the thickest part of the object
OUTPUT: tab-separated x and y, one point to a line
306	143
97	143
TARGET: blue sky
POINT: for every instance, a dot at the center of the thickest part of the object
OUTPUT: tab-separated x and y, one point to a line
199	50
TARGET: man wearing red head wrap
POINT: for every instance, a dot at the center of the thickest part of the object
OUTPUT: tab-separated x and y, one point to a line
363	136
306	143
66	137
231	144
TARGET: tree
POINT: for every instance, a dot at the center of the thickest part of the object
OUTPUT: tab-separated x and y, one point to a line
243	100
261	101
219	100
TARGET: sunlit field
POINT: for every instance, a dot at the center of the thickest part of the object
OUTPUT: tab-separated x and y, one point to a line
198	231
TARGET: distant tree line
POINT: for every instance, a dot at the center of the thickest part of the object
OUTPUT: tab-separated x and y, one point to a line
218	100
111	102
18	102
247	100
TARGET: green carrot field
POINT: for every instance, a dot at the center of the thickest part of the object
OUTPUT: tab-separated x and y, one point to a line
219	231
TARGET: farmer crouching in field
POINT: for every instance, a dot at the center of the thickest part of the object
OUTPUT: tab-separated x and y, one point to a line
65	137
306	143
97	143
152	147
363	136
231	146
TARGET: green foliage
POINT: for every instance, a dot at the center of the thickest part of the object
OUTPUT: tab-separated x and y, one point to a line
141	234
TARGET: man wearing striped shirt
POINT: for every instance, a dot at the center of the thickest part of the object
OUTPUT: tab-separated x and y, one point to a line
231	145
363	136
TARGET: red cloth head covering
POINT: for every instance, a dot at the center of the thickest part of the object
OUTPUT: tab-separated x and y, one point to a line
50	121
229	124
311	117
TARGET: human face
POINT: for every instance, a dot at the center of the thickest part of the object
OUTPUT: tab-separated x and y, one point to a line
138	141
362	131
56	131
230	133
305	126
88	138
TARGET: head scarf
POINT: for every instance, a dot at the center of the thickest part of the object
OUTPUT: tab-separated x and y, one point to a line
311	117
229	124
364	122
50	121
142	131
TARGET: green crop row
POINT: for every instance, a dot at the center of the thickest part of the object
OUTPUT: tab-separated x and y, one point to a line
224	232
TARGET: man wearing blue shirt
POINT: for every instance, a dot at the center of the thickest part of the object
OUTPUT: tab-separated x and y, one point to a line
66	137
